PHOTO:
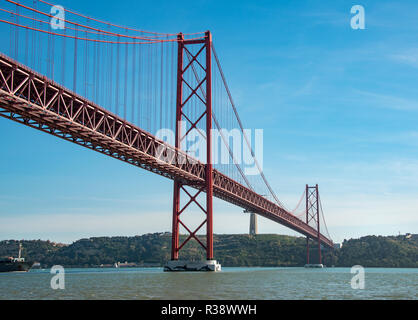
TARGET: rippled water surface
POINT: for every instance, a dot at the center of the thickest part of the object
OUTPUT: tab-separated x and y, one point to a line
231	283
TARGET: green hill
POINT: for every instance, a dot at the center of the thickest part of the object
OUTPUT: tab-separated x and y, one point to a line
378	251
266	250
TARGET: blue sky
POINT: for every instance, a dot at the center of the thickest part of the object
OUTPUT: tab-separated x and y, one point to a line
339	107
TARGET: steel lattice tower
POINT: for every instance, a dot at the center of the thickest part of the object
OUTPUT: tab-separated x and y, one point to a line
312	214
181	114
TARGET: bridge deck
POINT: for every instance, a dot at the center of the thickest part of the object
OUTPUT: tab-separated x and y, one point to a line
31	99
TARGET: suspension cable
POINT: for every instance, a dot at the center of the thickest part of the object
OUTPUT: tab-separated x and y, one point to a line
242	130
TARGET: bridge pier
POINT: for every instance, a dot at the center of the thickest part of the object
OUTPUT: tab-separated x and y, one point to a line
179	265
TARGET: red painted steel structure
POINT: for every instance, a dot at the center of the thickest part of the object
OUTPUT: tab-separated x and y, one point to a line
207	186
30	98
312	214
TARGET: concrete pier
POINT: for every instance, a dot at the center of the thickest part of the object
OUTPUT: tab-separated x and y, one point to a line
181	265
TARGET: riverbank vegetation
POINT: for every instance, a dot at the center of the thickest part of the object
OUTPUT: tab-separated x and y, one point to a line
264	250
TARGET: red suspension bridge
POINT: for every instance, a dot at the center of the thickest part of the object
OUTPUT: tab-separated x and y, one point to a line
121	91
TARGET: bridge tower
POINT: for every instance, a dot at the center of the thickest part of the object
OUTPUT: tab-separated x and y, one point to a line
198	66
312	214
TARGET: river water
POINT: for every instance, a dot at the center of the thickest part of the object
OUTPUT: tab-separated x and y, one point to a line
230	284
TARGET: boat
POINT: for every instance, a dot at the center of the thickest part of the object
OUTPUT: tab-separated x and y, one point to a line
317	265
18	264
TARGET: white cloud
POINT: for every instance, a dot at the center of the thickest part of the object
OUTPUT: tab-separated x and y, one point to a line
386	101
409	57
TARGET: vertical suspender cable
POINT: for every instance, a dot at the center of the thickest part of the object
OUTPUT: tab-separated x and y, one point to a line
33	38
140	81
125	89
85	65
64	49
110	81
134	72
17	35
75	63
161	85
117	77
26	46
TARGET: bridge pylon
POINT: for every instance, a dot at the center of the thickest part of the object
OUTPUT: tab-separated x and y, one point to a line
312	214
194	86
